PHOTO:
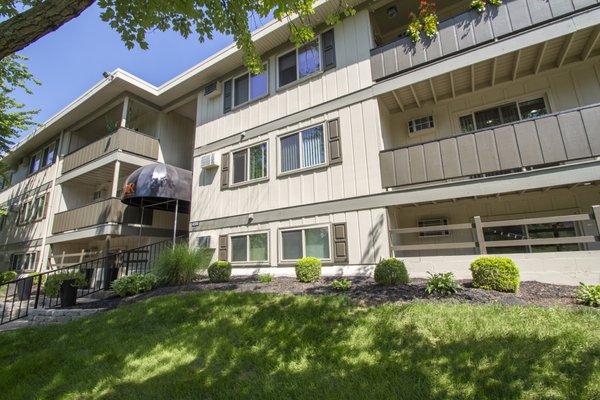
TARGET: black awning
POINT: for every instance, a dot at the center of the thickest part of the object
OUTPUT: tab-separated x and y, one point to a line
159	186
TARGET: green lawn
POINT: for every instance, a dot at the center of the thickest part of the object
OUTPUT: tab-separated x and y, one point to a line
259	346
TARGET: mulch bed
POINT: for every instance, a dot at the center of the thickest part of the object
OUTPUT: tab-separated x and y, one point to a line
366	292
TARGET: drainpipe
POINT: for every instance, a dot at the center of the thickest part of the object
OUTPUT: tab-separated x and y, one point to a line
50	206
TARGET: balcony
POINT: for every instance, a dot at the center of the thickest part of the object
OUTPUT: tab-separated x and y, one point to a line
123	139
538	142
102	212
468	30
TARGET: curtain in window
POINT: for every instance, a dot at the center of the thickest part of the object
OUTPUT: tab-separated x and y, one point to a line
290	153
317	242
313	146
239	166
258	247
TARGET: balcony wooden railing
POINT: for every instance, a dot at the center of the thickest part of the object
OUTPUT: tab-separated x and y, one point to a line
554	138
123	139
481	245
101	212
468	30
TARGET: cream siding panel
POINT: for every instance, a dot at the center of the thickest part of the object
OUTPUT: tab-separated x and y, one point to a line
352	73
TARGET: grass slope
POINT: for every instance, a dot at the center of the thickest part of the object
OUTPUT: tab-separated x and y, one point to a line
223	345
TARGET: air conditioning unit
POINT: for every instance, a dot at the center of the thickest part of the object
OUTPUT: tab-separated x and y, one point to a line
208	161
213	89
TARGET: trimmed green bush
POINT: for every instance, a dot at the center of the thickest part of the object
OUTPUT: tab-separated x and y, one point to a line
308	269
589	295
391	271
219	271
55	281
267	278
442	283
341	285
495	273
36	278
7	276
181	265
134	284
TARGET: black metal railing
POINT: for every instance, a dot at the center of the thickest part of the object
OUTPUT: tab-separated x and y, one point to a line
19	296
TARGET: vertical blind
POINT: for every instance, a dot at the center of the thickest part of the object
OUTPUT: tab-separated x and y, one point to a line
313	146
290	153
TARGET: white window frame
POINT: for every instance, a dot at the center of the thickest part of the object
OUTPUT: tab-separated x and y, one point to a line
30	256
303	229
37	215
519	99
248	181
302	169
421	131
248	234
54	145
40	155
298	79
249	101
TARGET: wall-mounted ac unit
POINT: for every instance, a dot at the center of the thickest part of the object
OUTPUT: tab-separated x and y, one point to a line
208	161
212	90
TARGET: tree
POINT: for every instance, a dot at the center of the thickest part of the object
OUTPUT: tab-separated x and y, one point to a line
14	75
133	19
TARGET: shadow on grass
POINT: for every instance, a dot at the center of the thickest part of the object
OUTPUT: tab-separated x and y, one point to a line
241	345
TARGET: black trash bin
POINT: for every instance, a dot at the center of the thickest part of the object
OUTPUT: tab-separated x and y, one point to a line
68	293
24	288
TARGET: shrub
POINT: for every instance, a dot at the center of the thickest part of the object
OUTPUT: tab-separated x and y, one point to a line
7	276
180	265
442	283
55	281
391	271
308	269
589	295
267	278
495	273
134	284
219	271
342	285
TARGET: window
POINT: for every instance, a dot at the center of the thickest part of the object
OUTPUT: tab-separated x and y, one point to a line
22	261
420	124
303	149
299	63
49	155
24	213
34	163
424	223
249	248
250	164
32	210
245	88
309	242
503	114
39	207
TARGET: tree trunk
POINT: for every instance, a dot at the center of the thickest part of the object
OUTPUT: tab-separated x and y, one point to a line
30	25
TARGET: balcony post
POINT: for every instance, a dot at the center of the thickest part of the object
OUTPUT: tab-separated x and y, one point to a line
123	123
115	181
479	235
596	215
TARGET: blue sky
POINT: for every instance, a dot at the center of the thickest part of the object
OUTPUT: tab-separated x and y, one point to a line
72	59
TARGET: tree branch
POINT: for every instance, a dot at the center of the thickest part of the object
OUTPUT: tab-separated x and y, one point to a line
30	25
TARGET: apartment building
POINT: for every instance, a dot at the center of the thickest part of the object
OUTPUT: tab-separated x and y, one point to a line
62	194
363	145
